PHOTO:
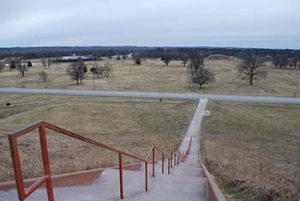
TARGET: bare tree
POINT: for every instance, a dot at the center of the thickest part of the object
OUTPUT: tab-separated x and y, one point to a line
197	61
12	65
280	61
107	68
202	76
252	68
167	59
184	58
43	76
199	74
2	66
19	64
97	69
137	59
29	64
46	62
76	70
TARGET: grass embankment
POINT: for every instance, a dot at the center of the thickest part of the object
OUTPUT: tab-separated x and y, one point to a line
131	126
253	149
154	75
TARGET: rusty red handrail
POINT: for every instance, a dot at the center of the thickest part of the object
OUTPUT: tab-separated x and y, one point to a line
24	193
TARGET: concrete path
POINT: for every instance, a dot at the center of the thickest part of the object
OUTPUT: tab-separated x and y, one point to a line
183	96
185	183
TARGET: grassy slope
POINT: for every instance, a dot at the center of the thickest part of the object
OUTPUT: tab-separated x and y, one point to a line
132	126
254	150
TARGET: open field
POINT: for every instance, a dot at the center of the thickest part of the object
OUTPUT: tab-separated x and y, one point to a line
154	75
253	149
129	125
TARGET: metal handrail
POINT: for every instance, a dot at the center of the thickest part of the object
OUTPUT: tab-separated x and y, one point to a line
23	193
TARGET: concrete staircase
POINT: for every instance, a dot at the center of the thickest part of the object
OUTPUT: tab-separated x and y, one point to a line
186	182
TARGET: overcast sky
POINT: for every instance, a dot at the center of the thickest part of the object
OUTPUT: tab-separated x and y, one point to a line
229	23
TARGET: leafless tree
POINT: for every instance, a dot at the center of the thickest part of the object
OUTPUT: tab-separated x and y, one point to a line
184	58
20	65
199	74
197	62
76	70
167	59
107	69
46	62
2	66
97	69
252	68
137	59
101	69
43	76
202	76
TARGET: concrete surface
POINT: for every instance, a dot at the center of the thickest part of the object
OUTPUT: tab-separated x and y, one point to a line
183	96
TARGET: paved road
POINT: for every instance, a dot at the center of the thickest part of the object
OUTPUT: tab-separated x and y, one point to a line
183	96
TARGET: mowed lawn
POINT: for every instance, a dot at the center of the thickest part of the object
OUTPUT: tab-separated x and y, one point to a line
254	150
154	75
133	126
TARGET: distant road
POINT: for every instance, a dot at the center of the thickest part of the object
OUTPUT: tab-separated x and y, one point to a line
166	95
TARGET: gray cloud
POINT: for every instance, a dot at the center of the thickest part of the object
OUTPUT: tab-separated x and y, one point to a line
255	23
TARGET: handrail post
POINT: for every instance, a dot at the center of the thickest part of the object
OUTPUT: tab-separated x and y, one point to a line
46	164
174	159
162	163
17	167
171	162
121	176
146	176
153	162
169	165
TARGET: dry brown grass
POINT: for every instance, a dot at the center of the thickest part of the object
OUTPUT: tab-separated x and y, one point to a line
253	149
154	75
131	126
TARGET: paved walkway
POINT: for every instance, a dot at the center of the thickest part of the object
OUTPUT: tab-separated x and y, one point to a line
185	183
183	96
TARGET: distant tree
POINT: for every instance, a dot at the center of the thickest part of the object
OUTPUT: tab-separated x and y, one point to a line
293	61
167	59
107	68
199	74
19	64
46	62
2	66
280	61
137	59
252	68
43	76
76	71
184	58
101	69
202	76
13	65
97	69
29	64
197	61
124	57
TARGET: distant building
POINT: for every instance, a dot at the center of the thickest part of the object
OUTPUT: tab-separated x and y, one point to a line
75	58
